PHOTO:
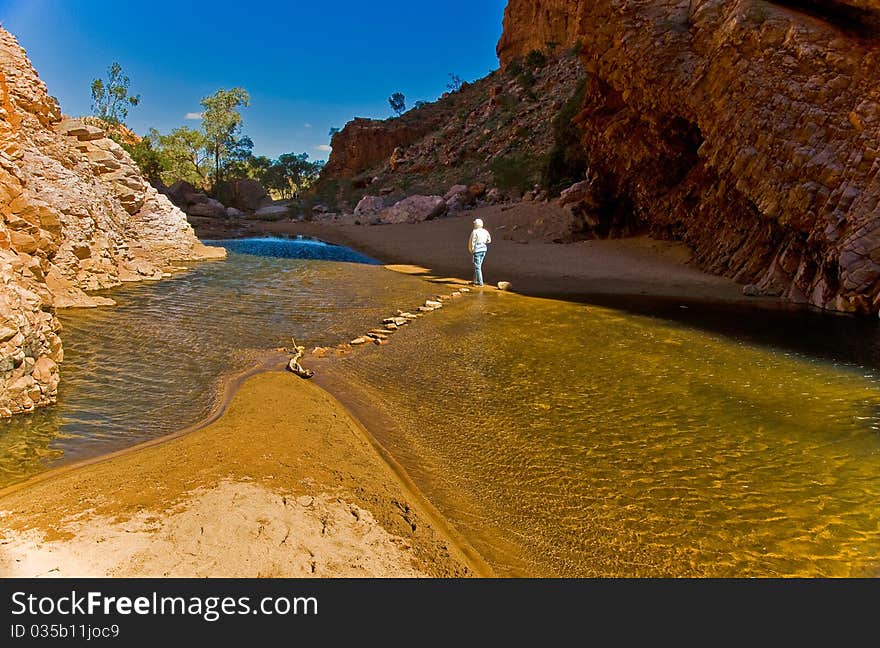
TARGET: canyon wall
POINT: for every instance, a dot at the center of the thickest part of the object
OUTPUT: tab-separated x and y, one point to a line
748	129
75	215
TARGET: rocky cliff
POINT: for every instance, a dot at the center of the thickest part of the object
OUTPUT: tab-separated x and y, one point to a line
749	129
75	216
493	124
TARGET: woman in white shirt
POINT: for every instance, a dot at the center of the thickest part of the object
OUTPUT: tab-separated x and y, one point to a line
478	246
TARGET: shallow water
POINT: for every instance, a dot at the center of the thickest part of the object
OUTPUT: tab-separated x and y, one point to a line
152	364
559	438
573	440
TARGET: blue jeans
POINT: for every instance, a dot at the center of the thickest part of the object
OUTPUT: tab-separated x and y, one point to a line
478	268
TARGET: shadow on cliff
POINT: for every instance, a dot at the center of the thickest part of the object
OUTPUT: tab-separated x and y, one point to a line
853	21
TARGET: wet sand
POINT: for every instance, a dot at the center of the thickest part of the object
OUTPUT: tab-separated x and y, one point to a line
284	484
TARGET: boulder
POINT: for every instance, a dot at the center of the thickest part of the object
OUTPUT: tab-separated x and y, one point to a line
458	197
245	195
454	191
272	211
232	212
579	193
183	194
209	208
494	196
369	206
477	190
414	209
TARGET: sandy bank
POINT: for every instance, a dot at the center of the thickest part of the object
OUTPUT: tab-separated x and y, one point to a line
284	484
635	266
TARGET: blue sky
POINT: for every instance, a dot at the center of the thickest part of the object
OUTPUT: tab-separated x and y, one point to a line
308	66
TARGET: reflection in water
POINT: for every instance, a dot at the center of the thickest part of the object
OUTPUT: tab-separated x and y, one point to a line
565	439
560	438
151	365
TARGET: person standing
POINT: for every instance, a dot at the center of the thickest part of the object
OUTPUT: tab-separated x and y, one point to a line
478	246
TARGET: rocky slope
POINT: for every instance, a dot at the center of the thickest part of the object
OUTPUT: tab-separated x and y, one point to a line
749	129
495	124
76	216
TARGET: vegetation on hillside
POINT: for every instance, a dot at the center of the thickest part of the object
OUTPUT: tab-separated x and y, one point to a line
514	129
110	98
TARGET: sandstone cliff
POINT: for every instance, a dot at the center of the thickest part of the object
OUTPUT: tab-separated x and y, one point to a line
749	129
75	216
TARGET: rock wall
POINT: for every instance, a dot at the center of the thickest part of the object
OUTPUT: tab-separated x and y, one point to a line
749	129
364	143
75	216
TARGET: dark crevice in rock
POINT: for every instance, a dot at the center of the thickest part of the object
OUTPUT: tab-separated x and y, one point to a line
856	21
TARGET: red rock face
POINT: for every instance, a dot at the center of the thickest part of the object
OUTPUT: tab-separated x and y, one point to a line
364	143
751	130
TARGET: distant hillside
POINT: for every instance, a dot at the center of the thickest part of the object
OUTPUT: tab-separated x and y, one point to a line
499	130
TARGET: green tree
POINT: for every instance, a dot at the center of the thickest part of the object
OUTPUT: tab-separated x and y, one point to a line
397	101
221	124
455	83
110	99
183	155
148	159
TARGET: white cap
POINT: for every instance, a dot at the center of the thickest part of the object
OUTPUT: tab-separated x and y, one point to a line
478	223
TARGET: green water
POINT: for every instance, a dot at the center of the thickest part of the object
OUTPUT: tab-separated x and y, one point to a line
559	438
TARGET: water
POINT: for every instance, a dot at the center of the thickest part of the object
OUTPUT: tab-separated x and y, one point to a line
559	438
152	364
573	440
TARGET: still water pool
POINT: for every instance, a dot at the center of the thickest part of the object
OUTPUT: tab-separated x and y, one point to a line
559	438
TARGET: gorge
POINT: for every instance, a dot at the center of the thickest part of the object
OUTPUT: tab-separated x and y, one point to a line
675	428
750	130
77	216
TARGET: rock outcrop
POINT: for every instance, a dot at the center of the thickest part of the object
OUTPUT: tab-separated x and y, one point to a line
364	143
75	215
502	121
749	129
245	195
414	209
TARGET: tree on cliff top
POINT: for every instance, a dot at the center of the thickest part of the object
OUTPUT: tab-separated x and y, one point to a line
221	124
397	101
110	100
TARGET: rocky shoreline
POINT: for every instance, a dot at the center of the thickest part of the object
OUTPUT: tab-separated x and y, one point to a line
76	216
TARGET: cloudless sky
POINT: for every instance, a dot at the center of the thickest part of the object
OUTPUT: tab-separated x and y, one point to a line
308	66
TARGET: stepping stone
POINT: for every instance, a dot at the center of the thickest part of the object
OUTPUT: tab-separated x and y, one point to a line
465	290
360	340
426	309
377	336
433	304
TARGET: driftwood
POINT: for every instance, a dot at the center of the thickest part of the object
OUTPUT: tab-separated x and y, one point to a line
294	365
